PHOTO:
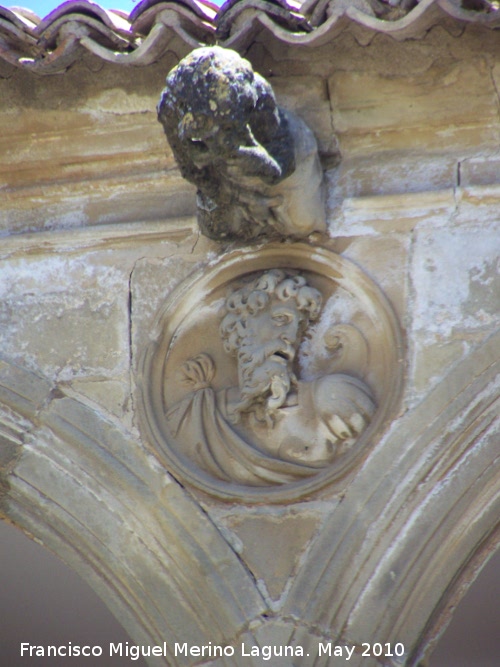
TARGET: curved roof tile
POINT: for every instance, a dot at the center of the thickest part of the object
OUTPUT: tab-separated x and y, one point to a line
55	42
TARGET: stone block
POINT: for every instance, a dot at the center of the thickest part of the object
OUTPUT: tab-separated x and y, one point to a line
92	157
112	395
24	391
272	545
9	451
115	198
65	316
385	259
74	145
482	170
382	54
445	107
392	174
385	214
75	141
308	98
151	283
478	205
456	298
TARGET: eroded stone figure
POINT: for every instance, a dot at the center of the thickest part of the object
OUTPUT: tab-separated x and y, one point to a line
255	165
272	428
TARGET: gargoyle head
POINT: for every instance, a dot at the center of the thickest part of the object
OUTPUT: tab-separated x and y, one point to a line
229	138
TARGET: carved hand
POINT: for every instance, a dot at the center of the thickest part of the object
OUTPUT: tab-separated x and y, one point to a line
345	404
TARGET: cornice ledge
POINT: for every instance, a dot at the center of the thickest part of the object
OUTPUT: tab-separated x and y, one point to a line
97	237
379	210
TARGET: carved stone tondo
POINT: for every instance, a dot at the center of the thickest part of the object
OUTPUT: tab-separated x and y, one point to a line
270	373
255	165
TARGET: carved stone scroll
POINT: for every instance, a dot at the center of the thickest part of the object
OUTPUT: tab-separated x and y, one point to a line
255	165
270	374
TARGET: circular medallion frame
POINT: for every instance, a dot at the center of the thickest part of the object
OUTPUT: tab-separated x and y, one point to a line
188	324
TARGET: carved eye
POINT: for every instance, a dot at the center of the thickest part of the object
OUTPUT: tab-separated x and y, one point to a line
281	319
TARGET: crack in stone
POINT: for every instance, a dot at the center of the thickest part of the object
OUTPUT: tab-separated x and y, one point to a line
130	308
494	84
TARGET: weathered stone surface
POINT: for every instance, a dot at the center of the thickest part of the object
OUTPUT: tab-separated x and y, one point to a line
379	113
385	258
307	97
98	231
261	426
57	312
456	285
12	431
152	279
364	216
478	204
482	170
84	150
391	174
263	536
86	204
111	395
82	470
247	157
456	425
381	54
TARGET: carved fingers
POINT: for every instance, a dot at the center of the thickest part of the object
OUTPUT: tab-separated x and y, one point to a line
347	427
346	405
358	423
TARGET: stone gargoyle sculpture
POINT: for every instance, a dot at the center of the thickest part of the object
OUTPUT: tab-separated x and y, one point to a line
272	428
255	165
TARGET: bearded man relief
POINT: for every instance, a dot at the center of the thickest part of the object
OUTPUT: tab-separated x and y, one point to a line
255	164
272	427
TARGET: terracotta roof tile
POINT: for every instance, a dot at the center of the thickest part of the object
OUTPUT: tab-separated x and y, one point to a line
204	10
55	42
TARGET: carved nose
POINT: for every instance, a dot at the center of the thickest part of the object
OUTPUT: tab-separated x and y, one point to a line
289	336
289	353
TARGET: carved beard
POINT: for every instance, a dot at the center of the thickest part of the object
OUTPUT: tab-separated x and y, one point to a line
264	379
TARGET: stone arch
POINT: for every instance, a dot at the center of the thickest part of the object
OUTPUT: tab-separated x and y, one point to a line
79	483
405	547
434	503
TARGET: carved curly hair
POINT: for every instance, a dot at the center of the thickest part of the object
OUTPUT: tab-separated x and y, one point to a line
254	297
